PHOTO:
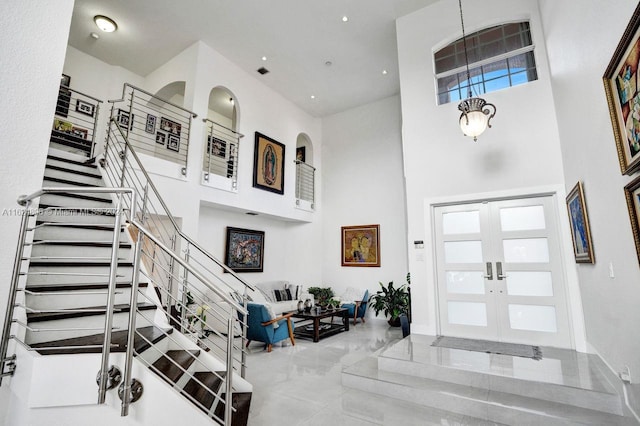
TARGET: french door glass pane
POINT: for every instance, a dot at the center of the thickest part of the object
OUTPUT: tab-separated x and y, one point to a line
465	282
461	222
522	218
529	283
467	313
463	252
533	318
526	250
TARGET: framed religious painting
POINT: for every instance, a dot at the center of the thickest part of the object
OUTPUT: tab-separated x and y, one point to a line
268	164
632	193
361	245
623	96
579	221
244	250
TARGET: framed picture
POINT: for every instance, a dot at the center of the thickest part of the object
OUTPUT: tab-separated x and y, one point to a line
150	127
632	193
579	221
361	245
62	125
173	143
79	132
244	250
65	80
124	120
161	138
268	164
623	97
218	148
301	154
169	126
85	108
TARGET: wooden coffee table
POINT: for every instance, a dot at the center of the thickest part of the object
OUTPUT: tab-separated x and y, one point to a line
316	329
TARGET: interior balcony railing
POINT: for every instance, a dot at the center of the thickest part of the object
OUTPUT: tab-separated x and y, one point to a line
305	183
124	168
154	126
221	153
75	120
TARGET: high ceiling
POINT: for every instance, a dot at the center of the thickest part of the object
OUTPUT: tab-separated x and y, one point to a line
310	51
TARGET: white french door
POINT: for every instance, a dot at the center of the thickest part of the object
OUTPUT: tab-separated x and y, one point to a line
499	272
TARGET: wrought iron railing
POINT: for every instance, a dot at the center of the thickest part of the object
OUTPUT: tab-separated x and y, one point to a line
305	182
154	126
221	153
75	120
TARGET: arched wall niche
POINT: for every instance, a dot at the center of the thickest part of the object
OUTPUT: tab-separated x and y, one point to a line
173	92
223	107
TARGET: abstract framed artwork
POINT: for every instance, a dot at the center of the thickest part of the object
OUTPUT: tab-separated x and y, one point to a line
268	164
623	95
579	221
632	193
150	126
124	120
217	148
361	245
85	108
244	250
170	126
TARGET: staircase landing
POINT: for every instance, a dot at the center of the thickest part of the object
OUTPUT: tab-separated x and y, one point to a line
564	387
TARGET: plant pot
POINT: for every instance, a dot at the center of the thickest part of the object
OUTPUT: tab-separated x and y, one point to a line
394	322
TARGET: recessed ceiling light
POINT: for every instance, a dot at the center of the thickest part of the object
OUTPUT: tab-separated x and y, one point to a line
345	18
94	35
384	72
313	96
264	58
105	23
328	63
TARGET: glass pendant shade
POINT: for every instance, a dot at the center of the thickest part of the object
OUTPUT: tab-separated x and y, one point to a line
105	23
475	116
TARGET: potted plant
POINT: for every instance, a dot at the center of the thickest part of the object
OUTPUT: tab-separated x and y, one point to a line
322	295
391	300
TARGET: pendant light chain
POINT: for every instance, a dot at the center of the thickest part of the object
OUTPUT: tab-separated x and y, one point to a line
466	57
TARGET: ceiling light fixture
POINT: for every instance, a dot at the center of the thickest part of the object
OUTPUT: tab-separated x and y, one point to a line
105	23
384	72
345	18
231	101
264	58
476	112
313	96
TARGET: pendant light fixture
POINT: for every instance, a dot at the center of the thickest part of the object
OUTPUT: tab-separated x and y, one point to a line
476	112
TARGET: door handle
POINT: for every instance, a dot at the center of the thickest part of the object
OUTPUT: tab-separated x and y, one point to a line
501	276
489	274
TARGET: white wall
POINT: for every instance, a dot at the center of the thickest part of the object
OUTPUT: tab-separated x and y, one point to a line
362	185
519	153
579	52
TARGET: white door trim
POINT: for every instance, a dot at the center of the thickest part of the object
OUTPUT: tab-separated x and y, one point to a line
572	289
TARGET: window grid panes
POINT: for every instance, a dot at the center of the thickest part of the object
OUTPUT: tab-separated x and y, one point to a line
492	42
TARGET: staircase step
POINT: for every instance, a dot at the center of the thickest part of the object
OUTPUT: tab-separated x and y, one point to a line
86	216
203	394
64	153
241	401
79	287
84	312
53	181
173	364
473	401
78	345
51	273
78	161
62	175
68	199
47	300
89	170
80	232
79	249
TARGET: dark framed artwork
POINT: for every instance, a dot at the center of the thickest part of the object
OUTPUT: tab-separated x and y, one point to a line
579	221
124	120
623	95
173	143
161	138
244	250
170	126
150	126
301	154
217	148
85	108
632	193
361	245
268	164
64	96
79	132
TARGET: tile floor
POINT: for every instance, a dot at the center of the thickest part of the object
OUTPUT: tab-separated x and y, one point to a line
302	385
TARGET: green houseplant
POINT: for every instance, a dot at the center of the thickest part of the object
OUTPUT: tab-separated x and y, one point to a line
391	300
322	295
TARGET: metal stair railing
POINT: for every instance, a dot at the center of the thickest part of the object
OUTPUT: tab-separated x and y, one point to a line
26	201
221	153
153	125
305	182
123	167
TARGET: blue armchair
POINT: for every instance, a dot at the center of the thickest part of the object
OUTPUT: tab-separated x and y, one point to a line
358	308
261	326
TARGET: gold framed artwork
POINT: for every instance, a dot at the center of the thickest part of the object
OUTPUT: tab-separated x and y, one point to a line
268	164
361	245
623	95
579	221
632	193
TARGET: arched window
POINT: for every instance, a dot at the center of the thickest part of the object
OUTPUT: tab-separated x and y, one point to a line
499	57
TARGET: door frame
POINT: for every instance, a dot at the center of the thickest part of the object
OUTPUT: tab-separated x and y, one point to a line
572	290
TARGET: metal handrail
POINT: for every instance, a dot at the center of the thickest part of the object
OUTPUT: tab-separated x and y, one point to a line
170	216
82	93
124	91
240	135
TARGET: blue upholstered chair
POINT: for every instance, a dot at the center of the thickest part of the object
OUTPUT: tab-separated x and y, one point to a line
358	308
261	326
